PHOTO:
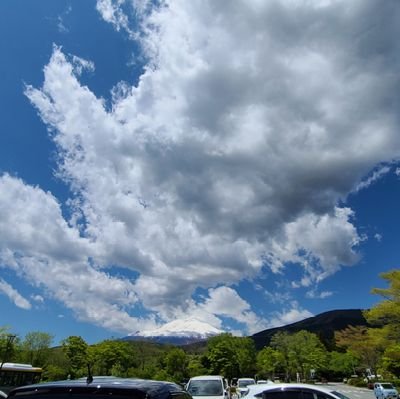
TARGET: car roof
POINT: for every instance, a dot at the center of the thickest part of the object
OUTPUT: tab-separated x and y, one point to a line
151	388
207	377
383	383
258	388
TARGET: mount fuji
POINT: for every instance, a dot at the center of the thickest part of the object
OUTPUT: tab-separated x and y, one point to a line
177	332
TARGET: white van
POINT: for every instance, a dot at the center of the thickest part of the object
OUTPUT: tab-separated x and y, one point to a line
208	387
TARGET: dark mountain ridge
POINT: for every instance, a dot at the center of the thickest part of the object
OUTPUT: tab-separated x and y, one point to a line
323	325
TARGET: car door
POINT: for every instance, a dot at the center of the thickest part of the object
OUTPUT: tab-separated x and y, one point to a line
377	390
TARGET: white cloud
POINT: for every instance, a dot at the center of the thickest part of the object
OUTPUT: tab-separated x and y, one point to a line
39	245
219	302
376	175
245	132
61	26
226	302
314	294
119	13
277	297
14	295
37	298
321	244
292	315
111	12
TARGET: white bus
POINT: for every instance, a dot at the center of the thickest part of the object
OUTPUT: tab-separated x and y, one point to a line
17	374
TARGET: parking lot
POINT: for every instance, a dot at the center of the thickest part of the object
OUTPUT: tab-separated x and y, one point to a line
350	391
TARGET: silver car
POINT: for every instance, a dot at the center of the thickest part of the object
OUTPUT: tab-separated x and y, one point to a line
385	390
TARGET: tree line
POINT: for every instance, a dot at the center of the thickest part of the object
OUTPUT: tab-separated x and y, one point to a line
288	356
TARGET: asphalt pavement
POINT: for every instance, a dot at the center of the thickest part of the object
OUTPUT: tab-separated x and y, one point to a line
350	391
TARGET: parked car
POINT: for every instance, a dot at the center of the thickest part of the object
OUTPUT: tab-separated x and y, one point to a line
242	384
101	388
385	390
208	386
291	391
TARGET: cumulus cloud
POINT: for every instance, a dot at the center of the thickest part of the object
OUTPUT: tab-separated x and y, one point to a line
224	301
288	316
251	124
320	243
41	247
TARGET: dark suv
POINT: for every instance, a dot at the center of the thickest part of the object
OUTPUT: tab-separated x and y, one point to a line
101	388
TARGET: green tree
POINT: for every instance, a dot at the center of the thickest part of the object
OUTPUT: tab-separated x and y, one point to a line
57	367
76	350
8	344
300	352
363	343
341	364
176	363
246	355
386	314
110	355
196	366
281	343
35	348
269	361
307	353
391	359
231	356
222	355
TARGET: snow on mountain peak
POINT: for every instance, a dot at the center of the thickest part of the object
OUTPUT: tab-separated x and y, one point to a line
182	328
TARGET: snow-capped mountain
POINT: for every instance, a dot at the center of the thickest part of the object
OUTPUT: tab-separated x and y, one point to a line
178	332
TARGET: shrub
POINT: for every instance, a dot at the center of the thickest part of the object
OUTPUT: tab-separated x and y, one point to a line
357	382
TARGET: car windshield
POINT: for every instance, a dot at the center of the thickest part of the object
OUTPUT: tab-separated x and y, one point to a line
340	395
244	383
387	386
205	388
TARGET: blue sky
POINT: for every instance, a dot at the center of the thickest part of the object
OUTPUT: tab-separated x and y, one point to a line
236	163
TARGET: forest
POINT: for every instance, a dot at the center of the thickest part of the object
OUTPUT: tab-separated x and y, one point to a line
356	353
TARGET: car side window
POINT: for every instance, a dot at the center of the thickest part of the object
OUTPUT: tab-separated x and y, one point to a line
180	395
292	394
323	396
308	395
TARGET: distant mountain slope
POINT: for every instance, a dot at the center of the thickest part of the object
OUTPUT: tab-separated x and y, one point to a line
193	334
324	325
